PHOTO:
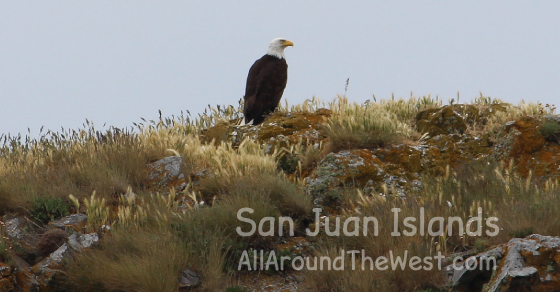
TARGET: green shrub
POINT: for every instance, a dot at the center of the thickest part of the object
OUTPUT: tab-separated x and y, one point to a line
550	130
49	209
237	289
3	250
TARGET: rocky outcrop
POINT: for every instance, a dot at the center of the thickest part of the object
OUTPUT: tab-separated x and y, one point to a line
277	129
523	142
37	254
453	119
523	264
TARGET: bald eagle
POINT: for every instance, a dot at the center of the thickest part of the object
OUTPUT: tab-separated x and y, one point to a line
266	82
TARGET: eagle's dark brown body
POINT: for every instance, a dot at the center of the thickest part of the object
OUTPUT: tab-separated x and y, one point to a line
265	85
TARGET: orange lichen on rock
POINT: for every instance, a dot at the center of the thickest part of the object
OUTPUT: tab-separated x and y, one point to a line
522	142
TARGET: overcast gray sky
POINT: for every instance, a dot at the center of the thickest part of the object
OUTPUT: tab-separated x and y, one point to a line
116	61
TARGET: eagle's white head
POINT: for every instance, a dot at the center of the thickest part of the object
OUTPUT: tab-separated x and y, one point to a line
277	46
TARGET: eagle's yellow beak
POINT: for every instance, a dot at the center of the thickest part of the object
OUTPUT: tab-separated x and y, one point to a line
287	43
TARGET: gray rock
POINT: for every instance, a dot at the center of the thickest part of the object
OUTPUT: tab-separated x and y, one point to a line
79	242
14	228
189	279
471	270
523	264
166	172
515	271
47	270
171	164
75	221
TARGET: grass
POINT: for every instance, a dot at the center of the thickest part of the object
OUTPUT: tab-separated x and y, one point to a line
154	238
144	260
368	125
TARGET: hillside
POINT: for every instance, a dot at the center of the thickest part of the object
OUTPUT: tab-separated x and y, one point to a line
163	206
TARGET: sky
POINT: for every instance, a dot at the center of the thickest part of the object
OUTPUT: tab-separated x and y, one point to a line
115	62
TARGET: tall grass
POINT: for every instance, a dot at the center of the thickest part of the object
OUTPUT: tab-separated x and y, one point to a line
145	260
366	125
73	162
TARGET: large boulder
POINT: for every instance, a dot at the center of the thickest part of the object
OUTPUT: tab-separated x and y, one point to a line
523	142
523	264
530	264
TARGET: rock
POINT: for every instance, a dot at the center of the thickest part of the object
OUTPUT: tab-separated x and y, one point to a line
358	167
5	270
15	228
531	264
50	241
22	234
6	285
276	130
523	264
474	272
74	222
25	280
7	279
49	270
166	174
79	242
450	119
523	142
454	119
189	279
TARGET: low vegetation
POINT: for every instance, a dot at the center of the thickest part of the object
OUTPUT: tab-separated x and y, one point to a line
157	233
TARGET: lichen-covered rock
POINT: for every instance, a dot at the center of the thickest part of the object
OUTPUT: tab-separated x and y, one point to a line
7	279
454	119
278	128
166	174
15	228
523	264
530	264
523	142
21	233
78	242
49	270
450	119
74	222
357	167
25	280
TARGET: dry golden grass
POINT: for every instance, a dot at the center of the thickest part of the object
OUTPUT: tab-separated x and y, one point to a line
368	125
144	260
75	162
